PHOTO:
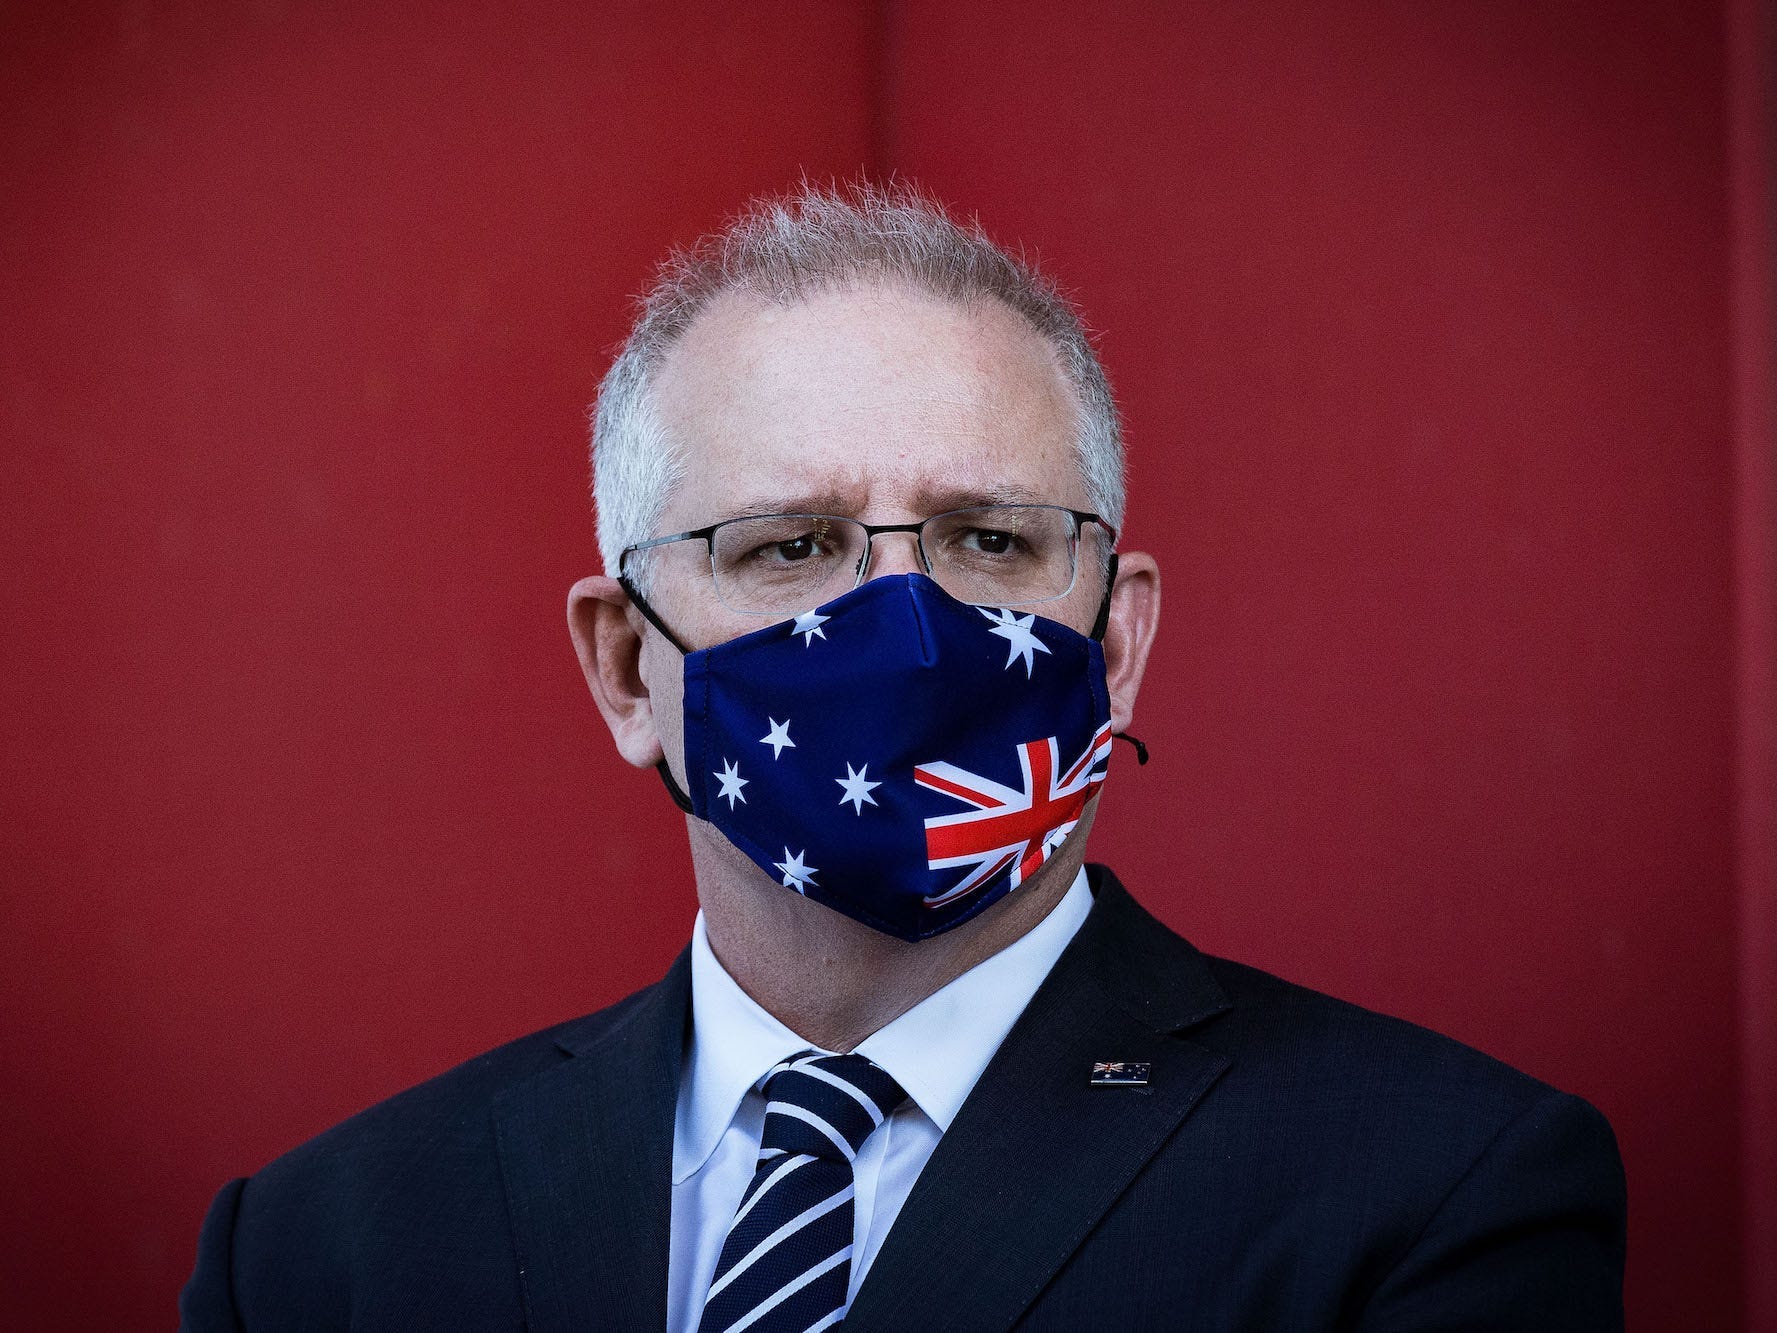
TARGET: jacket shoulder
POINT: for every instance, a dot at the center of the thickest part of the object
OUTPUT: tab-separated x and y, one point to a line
1505	1194
1354	1097
451	1105
1298	1047
1336	1044
411	1184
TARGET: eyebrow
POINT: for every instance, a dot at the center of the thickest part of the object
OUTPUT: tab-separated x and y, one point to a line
823	502
943	500
939	500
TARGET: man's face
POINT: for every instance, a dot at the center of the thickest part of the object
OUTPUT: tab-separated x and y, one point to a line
886	406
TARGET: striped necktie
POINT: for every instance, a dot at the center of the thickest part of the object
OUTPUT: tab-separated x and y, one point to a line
786	1265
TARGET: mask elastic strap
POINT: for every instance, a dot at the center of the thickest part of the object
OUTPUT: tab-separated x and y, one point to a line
641	604
1141	751
1103	620
1099	626
684	802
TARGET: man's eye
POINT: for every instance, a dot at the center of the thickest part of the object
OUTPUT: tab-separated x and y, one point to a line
788	550
796	548
989	541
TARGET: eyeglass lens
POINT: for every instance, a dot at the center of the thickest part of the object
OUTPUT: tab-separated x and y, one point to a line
997	555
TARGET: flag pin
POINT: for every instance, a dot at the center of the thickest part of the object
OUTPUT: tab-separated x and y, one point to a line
1120	1073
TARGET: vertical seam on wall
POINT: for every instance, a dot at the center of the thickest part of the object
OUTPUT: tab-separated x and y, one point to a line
1750	112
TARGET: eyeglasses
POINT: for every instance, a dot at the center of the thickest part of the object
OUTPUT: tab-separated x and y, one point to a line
784	564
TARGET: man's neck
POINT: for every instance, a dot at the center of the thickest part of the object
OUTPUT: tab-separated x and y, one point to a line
834	981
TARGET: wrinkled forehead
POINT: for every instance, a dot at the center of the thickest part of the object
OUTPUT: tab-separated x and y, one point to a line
867	402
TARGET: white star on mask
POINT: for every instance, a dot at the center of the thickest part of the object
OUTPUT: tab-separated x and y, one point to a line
857	790
808	625
1016	631
732	782
779	739
797	875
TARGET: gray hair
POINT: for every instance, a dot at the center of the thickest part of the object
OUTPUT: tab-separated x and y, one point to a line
788	248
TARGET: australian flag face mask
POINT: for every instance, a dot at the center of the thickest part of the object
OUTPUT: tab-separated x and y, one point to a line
898	755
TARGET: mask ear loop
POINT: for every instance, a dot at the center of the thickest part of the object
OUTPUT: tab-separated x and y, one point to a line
1099	626
641	604
1103	621
648	613
684	802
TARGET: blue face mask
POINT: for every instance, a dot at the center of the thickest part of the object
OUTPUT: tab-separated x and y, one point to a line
897	755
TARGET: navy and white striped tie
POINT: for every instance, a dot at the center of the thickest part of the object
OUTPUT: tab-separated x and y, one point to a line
786	1265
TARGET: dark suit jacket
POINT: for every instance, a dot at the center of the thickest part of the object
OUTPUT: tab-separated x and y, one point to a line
1294	1163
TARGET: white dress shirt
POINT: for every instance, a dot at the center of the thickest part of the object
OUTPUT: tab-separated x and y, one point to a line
936	1051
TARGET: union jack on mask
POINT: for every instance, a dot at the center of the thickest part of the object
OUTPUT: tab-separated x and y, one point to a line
895	754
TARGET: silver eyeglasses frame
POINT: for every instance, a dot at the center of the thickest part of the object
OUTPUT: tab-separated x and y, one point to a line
1077	518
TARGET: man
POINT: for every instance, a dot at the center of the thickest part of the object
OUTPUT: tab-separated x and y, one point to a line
860	487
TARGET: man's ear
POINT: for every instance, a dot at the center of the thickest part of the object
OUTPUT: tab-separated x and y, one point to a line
608	639
1129	631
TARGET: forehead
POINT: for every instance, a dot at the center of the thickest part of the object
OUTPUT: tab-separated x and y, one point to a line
880	403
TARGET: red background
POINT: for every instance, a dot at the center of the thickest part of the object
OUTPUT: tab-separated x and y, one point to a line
1443	335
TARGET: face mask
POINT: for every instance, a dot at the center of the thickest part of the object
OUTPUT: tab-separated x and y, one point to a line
897	755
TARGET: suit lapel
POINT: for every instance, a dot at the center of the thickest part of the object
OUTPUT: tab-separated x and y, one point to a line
983	1232
586	1153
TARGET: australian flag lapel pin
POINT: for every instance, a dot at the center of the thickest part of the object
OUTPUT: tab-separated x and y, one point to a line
1120	1073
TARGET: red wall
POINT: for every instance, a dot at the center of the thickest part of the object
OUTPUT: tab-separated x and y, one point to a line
1421	317
304	797
1419	313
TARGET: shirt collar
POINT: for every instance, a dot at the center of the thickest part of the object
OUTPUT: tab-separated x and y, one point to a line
936	1050
733	1042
